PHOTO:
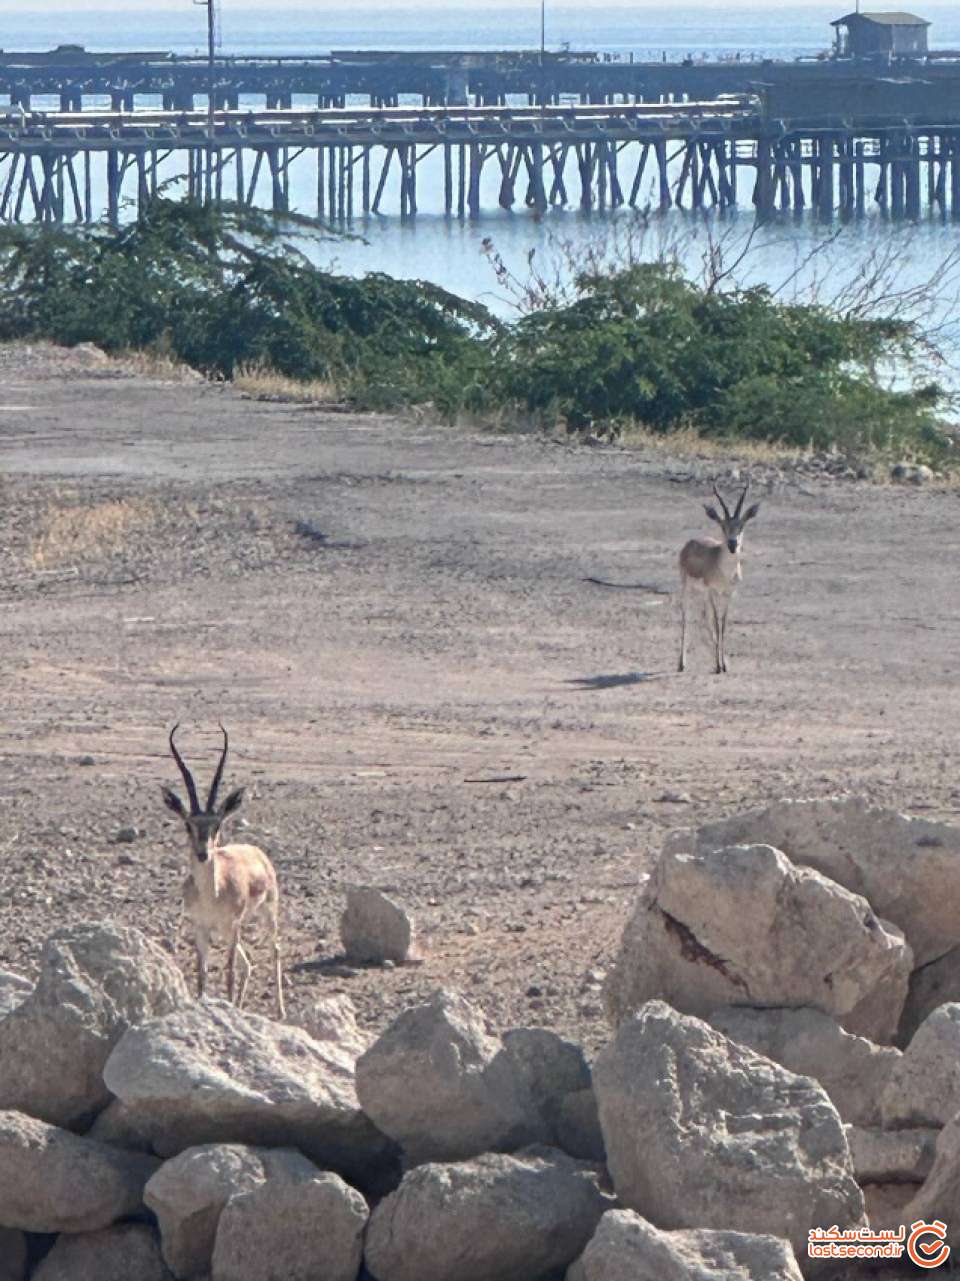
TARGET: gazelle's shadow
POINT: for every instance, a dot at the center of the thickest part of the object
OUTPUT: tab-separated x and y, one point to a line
614	680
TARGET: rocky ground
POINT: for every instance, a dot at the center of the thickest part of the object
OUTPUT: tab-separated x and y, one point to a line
446	661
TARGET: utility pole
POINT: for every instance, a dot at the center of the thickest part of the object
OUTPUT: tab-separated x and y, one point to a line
543	45
210	6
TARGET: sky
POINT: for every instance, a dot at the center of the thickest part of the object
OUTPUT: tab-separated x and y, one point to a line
48	7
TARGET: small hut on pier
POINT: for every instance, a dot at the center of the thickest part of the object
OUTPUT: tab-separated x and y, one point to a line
864	35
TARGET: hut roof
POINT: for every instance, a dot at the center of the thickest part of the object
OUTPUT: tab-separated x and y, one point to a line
897	19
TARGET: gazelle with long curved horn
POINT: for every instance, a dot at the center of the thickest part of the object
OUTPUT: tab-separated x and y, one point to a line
227	886
713	565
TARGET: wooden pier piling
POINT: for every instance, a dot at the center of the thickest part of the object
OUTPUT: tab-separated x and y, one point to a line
696	156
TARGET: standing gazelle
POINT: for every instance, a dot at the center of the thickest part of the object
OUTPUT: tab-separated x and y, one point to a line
713	565
227	885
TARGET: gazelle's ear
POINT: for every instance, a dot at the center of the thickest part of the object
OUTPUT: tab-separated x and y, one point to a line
751	512
173	802
232	803
712	513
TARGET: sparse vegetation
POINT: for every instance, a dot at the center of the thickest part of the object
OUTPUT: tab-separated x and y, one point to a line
638	347
265	384
70	530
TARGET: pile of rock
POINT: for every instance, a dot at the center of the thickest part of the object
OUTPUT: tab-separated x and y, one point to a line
752	1091
824	936
144	1134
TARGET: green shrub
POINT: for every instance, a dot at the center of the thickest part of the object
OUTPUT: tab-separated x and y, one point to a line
647	345
221	291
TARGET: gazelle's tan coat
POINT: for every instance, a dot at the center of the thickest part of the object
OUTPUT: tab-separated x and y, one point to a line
713	565
227	887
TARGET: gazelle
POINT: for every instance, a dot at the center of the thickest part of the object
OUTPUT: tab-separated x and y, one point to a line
713	565
227	885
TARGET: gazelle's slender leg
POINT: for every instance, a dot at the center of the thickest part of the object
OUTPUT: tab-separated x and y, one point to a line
232	963
717	631
723	633
202	943
246	969
683	624
273	909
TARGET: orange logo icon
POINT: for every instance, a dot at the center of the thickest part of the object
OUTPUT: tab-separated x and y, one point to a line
926	1245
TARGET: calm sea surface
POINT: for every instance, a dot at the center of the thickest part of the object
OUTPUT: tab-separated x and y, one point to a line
773	30
451	253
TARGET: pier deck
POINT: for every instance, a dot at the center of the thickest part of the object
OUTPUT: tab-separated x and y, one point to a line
693	155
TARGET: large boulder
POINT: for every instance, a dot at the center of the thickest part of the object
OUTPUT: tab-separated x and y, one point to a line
128	1252
908	869
13	1255
495	1218
744	926
924	1088
626	1247
14	990
188	1193
702	1132
54	1181
210	1073
852	1070
374	928
96	981
309	1230
444	1089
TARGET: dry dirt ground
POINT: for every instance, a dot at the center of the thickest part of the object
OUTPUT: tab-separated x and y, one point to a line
390	618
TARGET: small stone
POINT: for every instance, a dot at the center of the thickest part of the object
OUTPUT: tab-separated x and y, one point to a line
374	927
675	798
127	835
87	760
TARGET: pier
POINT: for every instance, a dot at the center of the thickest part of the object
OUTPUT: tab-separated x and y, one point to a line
694	156
72	79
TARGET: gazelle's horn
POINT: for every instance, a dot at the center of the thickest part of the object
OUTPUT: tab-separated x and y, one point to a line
215	785
726	509
187	776
740	503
